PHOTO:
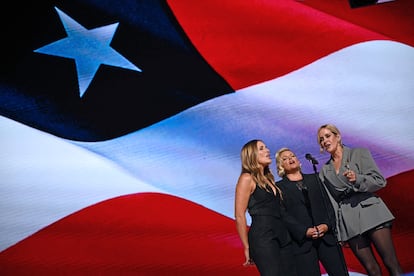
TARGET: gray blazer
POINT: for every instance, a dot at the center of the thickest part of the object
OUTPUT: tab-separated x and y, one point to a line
357	208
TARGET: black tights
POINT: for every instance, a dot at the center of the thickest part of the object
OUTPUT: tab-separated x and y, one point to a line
382	240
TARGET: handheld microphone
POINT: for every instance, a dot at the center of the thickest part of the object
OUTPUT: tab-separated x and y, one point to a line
309	157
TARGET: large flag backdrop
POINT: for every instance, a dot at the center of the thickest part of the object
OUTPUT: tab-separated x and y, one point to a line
121	124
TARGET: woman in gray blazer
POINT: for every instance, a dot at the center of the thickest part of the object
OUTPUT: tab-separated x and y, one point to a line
351	178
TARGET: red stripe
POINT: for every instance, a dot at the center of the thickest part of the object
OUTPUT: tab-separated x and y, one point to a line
393	19
249	42
156	234
140	234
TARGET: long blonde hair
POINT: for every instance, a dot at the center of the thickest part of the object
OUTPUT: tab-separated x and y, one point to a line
251	165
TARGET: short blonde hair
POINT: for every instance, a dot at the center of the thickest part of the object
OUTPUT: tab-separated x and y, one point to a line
333	129
279	167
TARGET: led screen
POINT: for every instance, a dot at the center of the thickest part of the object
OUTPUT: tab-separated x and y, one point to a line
122	124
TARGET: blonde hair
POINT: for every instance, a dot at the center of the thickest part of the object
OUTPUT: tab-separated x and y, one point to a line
278	157
251	166
331	128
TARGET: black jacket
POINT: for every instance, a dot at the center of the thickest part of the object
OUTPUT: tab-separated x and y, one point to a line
299	217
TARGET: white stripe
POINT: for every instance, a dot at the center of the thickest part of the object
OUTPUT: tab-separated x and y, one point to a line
45	178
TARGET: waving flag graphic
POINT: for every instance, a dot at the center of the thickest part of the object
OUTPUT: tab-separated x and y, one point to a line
122	123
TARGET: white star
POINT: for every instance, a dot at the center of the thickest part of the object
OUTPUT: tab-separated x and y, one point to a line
89	48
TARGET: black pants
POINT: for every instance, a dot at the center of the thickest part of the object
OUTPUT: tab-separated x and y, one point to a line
275	261
330	256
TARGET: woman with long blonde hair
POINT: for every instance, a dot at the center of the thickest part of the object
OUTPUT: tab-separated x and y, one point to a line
267	243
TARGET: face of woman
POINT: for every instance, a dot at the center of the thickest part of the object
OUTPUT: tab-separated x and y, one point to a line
263	154
328	140
289	161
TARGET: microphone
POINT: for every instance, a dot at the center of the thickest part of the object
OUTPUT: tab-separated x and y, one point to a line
309	157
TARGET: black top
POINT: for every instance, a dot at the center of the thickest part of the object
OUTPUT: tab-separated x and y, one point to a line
265	209
306	205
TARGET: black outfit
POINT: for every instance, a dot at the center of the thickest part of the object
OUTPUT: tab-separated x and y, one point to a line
307	205
269	240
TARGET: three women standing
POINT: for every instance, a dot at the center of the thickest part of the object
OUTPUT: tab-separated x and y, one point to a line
347	184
